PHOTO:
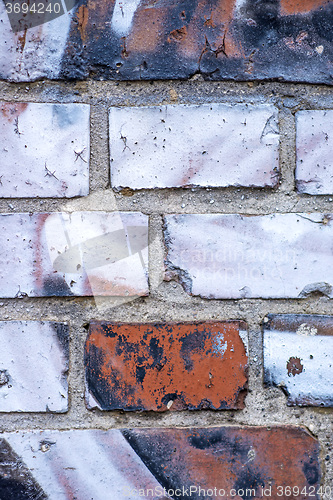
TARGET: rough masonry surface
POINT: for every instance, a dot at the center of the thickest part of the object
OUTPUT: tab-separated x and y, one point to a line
240	256
164	367
298	352
44	150
81	253
34	360
226	39
208	145
159	463
314	143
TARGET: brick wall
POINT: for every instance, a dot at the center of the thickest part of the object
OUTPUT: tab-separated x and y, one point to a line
166	256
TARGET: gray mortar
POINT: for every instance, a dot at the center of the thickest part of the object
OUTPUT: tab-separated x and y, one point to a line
167	300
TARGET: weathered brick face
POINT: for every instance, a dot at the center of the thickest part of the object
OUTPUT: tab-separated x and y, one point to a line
52	142
34	362
136	40
219	146
160	463
314	171
166	367
166	250
235	256
298	352
83	254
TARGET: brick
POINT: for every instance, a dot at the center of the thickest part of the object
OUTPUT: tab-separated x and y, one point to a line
97	464
33	366
298	352
314	144
221	145
163	367
52	142
237	256
82	254
39	54
288	40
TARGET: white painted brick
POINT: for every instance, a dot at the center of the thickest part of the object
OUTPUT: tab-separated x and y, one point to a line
36	54
80	464
83	253
235	256
39	150
298	352
33	366
194	145
314	147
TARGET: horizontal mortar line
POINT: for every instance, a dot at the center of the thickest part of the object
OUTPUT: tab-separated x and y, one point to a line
119	101
254	212
150	423
147	301
255	84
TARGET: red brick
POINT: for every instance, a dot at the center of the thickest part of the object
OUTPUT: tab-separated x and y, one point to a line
232	458
114	464
166	366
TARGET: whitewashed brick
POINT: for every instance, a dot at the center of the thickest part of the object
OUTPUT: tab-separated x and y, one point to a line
194	145
235	256
33	366
83	253
81	464
44	150
298	352
36	54
314	147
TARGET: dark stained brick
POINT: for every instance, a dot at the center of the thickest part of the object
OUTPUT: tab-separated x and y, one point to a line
166	366
150	463
221	39
231	458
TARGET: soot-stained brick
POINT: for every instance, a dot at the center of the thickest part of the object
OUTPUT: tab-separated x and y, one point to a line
220	39
166	366
16	481
229	458
129	461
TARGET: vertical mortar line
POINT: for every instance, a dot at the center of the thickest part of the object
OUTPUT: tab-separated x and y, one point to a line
287	151
99	150
156	252
255	348
76	377
108	144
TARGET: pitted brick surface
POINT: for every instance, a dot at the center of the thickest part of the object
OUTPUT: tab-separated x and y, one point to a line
186	145
44	150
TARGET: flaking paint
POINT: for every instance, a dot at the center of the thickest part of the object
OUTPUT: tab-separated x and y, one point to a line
166	366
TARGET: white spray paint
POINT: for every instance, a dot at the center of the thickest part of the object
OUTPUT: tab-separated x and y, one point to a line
122	17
